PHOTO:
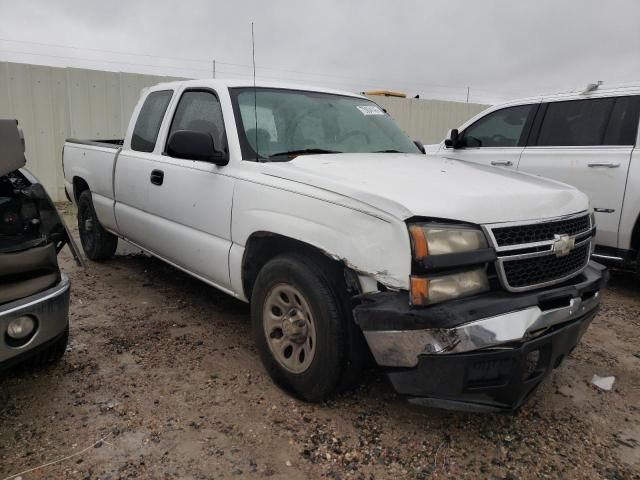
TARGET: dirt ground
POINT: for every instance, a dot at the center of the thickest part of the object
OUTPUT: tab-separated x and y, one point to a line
162	373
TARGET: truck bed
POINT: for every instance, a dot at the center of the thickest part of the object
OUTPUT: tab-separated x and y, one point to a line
93	161
110	143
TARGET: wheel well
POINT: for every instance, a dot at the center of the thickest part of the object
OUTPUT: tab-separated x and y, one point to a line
79	186
263	246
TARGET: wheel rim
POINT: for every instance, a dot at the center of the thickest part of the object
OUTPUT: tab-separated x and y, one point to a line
86	226
289	328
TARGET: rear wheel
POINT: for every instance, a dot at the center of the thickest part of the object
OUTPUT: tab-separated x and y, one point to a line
299	327
97	243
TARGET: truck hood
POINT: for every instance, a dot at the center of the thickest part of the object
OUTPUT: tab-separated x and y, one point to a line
408	185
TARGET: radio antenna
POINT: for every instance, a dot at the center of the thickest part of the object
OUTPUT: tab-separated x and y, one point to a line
255	99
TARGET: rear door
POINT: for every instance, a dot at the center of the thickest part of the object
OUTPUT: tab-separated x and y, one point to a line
588	144
133	166
496	139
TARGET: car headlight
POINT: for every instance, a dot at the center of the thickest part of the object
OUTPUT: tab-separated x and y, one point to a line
428	239
440	240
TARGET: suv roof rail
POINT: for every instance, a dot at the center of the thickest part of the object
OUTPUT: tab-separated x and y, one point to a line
592	86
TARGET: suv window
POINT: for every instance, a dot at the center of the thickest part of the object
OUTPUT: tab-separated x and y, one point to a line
200	110
575	122
623	124
145	133
502	128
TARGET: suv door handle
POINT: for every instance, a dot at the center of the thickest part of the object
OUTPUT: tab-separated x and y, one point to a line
157	177
507	163
605	165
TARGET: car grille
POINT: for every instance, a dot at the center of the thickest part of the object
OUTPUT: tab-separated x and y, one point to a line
539	232
527	255
540	270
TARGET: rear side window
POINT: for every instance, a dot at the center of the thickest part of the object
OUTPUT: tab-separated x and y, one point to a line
623	124
200	110
145	133
502	128
575	122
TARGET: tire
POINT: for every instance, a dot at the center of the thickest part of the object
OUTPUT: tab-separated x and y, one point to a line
277	325
97	243
52	354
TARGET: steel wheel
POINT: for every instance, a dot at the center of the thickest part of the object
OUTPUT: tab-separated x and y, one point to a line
289	328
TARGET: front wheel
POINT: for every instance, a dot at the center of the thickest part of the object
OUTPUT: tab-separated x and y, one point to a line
97	243
298	326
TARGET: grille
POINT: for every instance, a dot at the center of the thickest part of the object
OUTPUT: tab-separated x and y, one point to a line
537	270
540	232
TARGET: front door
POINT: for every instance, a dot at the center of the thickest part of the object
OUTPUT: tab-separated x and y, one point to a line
190	201
497	139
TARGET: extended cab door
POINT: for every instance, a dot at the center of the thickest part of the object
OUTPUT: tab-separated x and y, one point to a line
496	139
588	144
133	165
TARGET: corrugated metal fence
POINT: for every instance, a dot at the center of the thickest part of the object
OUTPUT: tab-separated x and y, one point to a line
52	104
428	120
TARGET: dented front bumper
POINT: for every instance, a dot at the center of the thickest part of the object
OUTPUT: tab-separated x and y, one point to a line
485	352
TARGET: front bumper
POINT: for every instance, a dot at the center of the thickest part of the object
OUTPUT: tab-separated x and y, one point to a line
483	352
50	308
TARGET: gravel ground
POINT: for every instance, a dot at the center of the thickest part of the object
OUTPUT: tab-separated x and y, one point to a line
162	370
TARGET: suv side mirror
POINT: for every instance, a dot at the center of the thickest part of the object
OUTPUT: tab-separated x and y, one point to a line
453	139
194	145
420	146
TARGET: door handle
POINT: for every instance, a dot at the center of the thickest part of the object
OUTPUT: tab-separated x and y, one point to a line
157	177
507	163
605	165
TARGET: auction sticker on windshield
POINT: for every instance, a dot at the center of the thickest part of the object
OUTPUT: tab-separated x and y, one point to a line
370	110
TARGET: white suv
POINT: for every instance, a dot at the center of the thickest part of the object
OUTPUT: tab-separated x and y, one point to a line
586	138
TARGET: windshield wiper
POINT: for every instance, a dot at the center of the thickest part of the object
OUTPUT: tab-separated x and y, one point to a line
388	151
304	151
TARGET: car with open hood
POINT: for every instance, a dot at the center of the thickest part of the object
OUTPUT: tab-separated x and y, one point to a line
34	293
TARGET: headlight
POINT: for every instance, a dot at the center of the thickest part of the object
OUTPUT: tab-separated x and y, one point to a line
428	240
426	291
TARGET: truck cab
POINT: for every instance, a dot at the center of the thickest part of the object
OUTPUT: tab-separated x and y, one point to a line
466	284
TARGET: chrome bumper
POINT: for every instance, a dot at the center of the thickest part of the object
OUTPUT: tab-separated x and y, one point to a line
401	348
50	308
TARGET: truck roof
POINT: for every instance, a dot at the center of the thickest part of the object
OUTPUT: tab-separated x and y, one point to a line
231	83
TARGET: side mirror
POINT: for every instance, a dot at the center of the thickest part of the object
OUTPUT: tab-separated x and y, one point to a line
453	139
420	146
194	145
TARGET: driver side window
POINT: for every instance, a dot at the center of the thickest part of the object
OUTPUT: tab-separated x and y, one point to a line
502	128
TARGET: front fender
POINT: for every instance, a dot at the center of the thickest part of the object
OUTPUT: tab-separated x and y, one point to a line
369	244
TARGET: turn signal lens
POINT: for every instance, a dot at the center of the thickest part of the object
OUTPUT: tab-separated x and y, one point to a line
418	242
419	291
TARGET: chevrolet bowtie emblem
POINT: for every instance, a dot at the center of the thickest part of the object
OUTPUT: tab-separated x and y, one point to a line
563	244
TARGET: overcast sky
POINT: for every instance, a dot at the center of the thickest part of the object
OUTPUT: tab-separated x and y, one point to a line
500	49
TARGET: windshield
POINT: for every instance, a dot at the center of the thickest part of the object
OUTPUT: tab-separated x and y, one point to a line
293	122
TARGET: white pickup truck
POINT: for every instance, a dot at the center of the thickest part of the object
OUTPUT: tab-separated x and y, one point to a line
467	284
